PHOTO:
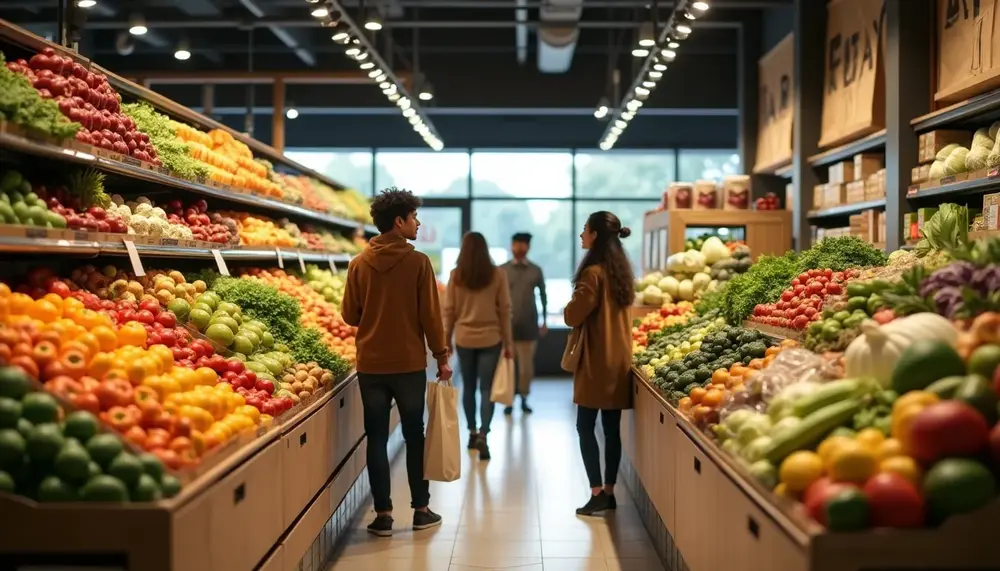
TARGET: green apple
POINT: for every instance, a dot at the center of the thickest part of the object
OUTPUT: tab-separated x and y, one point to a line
220	333
200	318
242	345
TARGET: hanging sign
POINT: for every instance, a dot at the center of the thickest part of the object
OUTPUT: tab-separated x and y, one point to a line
968	62
776	108
854	79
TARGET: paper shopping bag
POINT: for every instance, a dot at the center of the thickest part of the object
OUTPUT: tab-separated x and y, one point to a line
442	447
503	383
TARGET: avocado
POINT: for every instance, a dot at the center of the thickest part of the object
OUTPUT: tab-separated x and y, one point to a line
924	362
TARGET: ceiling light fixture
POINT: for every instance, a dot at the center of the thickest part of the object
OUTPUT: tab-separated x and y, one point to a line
86	4
292	112
358	46
320	12
647	37
602	109
183	51
137	25
654	64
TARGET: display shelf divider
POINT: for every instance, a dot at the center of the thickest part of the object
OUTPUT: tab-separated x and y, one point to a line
958	113
956	185
847	209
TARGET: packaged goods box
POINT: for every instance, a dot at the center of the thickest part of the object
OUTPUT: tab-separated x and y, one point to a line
932	142
841	172
736	192
991	206
680	196
855	191
706	195
818	196
834	194
920	173
875	186
867	164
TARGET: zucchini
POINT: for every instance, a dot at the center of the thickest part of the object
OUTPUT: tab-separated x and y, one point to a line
946	387
811	430
827	394
858	289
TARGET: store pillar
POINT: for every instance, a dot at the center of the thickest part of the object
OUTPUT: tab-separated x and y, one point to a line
810	31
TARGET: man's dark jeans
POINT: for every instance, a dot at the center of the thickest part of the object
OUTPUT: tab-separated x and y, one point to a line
409	392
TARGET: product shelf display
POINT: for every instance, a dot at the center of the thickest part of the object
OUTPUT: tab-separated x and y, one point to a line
835	408
173	360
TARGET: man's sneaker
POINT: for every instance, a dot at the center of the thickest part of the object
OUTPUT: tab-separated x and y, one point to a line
598	503
382	526
508	410
425	520
484	449
525	408
473	438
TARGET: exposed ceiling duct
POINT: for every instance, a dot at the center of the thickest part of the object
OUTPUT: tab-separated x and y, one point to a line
558	35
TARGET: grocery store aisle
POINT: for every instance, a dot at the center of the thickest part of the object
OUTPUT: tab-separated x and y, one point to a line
514	512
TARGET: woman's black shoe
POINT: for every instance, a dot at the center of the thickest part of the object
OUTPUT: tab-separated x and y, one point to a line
484	449
473	439
598	503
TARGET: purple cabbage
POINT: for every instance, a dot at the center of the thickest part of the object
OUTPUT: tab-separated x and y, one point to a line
948	300
956	274
986	280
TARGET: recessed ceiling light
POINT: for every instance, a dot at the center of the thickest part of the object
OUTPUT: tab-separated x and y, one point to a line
640	52
292	113
86	3
320	12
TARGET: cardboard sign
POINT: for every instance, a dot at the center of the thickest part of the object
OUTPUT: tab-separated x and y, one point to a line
854	93
968	33
776	104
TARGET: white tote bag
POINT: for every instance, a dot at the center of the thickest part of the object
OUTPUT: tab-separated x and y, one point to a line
442	446
503	383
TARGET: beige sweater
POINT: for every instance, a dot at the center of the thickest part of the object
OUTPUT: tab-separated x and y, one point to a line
481	318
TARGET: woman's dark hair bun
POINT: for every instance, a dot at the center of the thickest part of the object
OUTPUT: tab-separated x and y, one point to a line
625	232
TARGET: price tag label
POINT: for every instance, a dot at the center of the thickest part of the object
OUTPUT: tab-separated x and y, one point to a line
219	261
302	262
281	260
133	256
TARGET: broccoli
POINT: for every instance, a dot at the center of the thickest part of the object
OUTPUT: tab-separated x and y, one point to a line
687	378
702	373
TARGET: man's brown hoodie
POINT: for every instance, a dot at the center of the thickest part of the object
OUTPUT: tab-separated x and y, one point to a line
392	298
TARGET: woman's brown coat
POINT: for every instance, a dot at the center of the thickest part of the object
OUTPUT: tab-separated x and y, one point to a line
603	378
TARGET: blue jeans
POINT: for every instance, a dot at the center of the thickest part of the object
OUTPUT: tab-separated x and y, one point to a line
478	364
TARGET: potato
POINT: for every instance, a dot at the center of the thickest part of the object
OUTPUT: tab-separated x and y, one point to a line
310	384
304	394
316	373
296	386
301	375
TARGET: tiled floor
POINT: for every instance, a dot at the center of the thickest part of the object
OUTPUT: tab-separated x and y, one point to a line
514	512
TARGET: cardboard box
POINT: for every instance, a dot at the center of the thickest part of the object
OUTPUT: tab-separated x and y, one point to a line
855	191
932	142
920	174
867	164
706	195
834	194
680	196
818	196
736	192
789	194
841	172
991	211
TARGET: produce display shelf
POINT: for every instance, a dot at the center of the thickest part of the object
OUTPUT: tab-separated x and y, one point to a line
50	246
846	209
782	168
875	141
776	333
750	513
45	149
784	172
973	110
233	515
21	37
970	186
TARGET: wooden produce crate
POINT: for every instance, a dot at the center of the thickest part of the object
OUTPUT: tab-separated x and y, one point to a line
228	519
715	497
768	232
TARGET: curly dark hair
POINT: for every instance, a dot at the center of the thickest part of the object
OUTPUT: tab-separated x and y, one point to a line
474	269
393	203
608	253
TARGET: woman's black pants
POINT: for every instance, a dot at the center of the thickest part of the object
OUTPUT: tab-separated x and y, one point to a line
611	421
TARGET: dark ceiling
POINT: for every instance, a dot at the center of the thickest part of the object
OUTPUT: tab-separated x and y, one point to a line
468	49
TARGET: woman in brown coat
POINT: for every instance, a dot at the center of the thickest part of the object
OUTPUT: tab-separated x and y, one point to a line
603	291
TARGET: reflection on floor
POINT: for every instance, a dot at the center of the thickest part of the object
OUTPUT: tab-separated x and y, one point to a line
513	512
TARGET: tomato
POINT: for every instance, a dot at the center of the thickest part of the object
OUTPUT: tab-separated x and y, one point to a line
122	418
167	456
44	353
26	364
136	435
893	502
800	321
817	494
86	401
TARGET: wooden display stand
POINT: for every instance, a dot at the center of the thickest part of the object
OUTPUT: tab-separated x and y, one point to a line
701	495
768	232
264	504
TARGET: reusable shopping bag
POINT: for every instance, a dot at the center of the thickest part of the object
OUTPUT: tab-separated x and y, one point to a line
442	447
503	383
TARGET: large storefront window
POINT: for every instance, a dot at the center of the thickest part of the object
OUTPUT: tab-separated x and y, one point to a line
707	165
623	174
427	174
351	168
544	174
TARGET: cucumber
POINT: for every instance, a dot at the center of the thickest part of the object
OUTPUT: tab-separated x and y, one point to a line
946	387
827	394
811	430
858	289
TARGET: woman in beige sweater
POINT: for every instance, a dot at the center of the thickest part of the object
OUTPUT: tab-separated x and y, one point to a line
477	314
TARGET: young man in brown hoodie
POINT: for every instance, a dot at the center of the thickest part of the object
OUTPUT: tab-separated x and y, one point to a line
392	298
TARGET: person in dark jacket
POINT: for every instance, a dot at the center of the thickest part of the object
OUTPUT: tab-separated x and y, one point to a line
391	296
603	291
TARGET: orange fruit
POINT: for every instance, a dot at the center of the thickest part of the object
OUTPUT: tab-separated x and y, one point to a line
713	398
720	377
44	311
697	394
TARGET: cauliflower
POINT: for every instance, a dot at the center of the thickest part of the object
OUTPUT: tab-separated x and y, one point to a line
139	224
159	213
143	209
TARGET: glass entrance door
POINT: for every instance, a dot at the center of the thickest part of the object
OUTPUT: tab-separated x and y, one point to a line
442	225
